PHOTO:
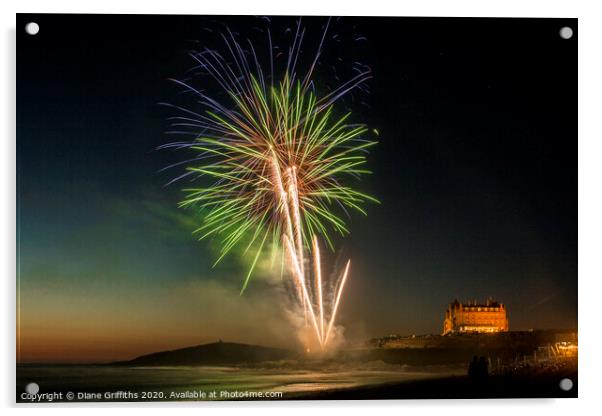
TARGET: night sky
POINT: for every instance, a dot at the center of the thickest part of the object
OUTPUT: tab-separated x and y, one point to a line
476	171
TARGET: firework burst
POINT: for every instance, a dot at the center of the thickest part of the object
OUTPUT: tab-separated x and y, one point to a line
279	157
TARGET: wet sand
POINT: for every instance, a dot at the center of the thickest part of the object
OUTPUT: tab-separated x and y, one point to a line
456	387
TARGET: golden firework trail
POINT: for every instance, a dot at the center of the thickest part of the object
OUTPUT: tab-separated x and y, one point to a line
276	158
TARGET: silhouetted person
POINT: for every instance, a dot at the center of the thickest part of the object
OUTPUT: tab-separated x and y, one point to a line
483	368
473	368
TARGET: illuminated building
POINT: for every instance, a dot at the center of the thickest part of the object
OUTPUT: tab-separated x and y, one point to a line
474	317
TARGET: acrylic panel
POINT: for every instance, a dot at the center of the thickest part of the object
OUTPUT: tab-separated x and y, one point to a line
295	208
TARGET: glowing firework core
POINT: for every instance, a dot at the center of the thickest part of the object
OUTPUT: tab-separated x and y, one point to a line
289	201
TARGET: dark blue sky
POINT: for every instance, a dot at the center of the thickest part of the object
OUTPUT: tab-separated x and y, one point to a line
476	171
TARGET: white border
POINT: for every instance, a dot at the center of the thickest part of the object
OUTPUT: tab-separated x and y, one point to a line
590	186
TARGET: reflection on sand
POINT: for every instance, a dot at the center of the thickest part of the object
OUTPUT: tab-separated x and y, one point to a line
291	378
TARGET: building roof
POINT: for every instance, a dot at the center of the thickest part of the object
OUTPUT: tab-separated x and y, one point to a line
473	303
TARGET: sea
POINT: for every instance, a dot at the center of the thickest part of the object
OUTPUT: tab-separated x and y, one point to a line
272	381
